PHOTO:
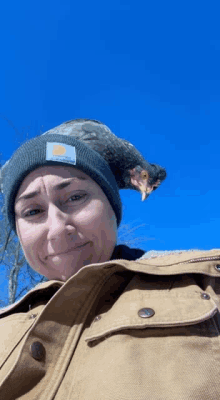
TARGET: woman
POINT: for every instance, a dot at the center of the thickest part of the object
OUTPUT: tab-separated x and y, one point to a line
111	323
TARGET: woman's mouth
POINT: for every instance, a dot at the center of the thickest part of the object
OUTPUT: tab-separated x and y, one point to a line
67	251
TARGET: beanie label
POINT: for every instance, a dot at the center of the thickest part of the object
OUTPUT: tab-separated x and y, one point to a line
61	152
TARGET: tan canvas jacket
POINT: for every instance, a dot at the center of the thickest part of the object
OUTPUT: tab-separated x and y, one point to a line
120	330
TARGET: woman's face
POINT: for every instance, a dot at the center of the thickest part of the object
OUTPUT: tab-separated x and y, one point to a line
64	221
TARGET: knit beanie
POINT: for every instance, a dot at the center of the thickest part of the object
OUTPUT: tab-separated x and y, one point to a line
56	149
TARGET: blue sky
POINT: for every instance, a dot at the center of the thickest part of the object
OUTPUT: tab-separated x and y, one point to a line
150	71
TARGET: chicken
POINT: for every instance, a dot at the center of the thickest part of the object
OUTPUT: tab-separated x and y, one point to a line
129	167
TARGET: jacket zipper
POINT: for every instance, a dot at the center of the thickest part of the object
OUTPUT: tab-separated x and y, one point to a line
201	259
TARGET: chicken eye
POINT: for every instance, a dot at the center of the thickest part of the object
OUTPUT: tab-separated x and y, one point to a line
144	175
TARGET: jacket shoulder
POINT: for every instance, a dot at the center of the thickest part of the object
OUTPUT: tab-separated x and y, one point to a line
42	292
206	262
178	256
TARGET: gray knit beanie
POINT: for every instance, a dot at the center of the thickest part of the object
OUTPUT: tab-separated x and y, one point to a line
56	149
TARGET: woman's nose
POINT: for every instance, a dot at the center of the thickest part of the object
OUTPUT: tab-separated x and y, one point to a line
58	224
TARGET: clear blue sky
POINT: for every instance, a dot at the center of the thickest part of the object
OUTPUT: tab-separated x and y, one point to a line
150	70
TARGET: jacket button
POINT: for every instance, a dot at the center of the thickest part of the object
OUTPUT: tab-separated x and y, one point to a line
146	312
37	351
217	267
205	296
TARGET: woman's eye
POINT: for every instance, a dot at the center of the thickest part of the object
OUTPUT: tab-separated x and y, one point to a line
76	197
32	213
35	211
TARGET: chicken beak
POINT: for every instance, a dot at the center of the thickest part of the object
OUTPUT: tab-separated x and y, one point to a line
141	182
144	196
144	189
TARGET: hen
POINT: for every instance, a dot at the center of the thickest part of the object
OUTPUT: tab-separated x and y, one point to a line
129	167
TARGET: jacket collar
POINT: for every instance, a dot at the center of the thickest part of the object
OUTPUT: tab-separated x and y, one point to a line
166	262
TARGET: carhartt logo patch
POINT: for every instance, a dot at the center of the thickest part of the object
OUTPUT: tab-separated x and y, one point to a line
58	150
61	152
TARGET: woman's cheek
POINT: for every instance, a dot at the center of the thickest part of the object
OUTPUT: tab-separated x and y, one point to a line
91	214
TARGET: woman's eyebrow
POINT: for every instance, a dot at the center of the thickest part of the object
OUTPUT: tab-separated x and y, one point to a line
68	182
28	196
60	186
